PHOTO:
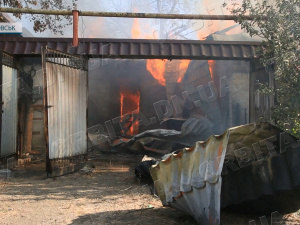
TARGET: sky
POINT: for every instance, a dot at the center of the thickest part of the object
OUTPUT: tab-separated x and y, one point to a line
96	27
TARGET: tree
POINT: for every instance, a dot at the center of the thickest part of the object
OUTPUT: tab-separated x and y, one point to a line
118	27
44	22
278	23
170	29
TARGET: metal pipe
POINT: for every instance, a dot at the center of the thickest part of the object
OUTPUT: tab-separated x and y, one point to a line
122	14
75	28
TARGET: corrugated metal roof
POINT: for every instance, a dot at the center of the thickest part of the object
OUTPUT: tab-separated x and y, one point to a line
190	179
135	48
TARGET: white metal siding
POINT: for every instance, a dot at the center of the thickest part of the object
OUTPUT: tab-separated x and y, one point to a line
10	110
67	101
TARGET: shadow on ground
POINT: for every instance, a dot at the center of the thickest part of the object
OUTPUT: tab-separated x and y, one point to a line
147	216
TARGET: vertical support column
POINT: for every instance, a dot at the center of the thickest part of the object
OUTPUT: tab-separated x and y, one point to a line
252	80
75	27
22	128
1	101
29	130
45	97
260	104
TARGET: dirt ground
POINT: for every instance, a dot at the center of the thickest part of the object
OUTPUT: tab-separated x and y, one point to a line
109	194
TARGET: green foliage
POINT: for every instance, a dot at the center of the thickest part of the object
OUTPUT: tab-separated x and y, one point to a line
278	23
56	24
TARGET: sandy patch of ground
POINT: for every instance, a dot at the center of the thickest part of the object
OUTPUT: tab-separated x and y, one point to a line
109	194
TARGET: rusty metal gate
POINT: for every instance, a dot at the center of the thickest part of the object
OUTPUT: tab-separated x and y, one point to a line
9	105
65	101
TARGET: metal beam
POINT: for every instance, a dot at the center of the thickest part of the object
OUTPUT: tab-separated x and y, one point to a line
135	48
123	14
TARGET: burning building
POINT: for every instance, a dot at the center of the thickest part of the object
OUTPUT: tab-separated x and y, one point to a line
192	89
129	96
217	94
143	95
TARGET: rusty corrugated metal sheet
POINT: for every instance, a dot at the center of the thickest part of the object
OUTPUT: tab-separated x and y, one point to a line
261	172
135	48
10	111
67	101
183	179
191	180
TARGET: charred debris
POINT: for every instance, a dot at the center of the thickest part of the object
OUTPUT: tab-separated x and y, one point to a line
252	168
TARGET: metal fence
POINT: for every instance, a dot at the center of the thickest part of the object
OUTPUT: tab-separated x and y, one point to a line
9	120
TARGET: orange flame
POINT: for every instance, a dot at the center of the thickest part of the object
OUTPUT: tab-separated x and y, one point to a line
211	64
211	27
179	80
95	27
136	30
157	68
130	102
184	64
214	26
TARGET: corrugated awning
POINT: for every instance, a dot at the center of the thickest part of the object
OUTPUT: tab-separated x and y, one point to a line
135	48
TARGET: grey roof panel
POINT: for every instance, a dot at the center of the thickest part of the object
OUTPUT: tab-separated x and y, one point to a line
135	48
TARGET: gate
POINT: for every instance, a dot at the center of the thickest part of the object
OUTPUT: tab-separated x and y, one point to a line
9	105
65	102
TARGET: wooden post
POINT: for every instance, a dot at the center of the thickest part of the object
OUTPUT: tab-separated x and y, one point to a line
28	131
22	128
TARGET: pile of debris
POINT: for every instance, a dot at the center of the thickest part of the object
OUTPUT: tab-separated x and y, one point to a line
174	135
252	168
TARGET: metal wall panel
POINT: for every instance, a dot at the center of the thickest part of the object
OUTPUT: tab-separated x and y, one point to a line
67	106
10	111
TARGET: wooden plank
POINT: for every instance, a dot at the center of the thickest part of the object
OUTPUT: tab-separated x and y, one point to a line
29	130
22	128
38	118
38	107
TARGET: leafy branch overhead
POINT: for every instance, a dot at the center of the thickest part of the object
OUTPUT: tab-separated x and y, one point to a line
44	22
278	23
